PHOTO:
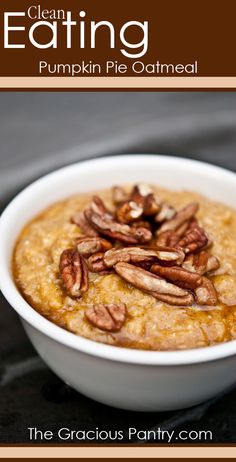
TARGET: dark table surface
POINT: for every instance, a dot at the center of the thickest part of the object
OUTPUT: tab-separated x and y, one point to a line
39	132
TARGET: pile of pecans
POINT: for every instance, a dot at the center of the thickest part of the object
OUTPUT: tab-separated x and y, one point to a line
149	244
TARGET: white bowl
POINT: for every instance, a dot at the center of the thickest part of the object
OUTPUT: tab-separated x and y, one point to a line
125	378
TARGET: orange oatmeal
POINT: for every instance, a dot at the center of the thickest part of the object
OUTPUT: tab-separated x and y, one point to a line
139	267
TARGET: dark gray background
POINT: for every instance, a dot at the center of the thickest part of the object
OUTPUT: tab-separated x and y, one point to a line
42	131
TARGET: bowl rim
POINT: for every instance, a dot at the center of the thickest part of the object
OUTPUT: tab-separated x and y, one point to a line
76	342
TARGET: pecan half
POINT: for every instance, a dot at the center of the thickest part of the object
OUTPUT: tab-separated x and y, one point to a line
143	195
119	195
74	272
182	229
193	223
87	246
96	263
79	219
180	218
108	227
167	238
186	300
167	212
151	205
206	293
128	254
201	263
169	255
177	275
171	238
138	256
193	240
154	285
141	224
98	206
109	318
128	212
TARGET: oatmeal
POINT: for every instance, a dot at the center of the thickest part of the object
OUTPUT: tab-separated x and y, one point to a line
138	267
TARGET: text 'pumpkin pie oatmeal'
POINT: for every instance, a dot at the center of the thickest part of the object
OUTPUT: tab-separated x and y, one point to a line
138	267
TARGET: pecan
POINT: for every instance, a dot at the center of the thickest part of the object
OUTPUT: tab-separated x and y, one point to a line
206	293
201	263
143	195
154	285
193	240
79	219
167	212
96	263
151	205
98	206
111	228
87	246
178	276
171	238
138	256
169	255
129	211
128	254
141	224
182	216
140	191
182	229
193	223
119	195
167	238
74	272
107	317
186	300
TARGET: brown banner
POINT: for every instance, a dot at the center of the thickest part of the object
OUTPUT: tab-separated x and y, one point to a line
168	38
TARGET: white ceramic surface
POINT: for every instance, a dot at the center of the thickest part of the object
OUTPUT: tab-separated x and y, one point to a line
125	378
